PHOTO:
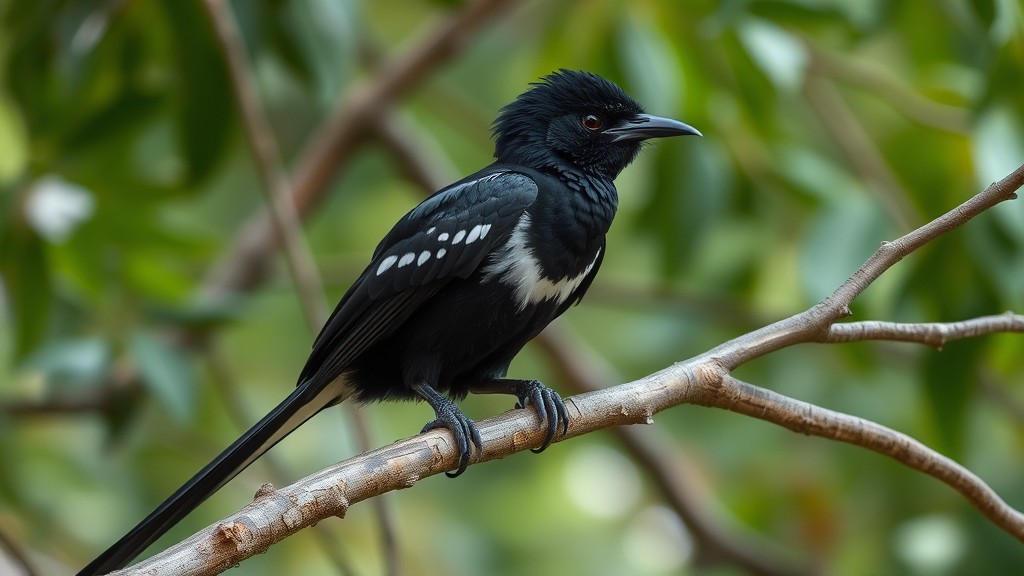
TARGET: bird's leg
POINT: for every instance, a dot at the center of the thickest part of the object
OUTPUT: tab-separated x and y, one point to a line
550	406
449	416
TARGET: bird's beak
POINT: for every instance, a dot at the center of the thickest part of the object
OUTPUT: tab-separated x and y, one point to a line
644	126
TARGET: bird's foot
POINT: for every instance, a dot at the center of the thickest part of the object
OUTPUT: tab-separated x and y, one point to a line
462	428
550	408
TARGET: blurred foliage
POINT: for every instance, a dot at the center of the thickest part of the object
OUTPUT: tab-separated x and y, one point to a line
829	126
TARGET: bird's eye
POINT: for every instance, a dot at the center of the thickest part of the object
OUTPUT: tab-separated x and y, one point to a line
592	122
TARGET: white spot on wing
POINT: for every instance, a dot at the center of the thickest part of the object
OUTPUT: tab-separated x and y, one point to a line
459	236
441	253
442	237
385	264
514	264
474	234
484	230
431	230
407	259
424	256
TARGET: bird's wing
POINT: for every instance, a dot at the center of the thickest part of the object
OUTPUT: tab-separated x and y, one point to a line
447	236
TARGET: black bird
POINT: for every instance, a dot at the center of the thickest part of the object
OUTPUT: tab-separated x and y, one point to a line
461	283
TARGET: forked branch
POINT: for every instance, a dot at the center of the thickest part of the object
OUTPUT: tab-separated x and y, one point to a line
704	380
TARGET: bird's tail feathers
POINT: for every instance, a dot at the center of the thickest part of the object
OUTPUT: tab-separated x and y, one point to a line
301	405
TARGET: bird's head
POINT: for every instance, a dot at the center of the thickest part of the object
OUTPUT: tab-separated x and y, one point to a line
580	119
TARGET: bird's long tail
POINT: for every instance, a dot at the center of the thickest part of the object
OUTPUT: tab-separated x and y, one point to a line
300	406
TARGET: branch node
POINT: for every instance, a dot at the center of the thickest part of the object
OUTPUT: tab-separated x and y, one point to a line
233	534
267	489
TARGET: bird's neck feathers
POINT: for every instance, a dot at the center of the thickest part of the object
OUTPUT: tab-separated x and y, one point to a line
541	128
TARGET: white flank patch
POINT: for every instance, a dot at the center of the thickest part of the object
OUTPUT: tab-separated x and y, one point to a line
424	256
516	265
407	259
385	264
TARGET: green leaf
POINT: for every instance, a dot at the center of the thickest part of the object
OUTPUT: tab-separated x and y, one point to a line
841	237
25	271
13	142
205	107
688	196
72	362
166	372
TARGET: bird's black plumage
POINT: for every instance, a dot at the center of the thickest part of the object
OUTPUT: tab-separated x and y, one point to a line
461	283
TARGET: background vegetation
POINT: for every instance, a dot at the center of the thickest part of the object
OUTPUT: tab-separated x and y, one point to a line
125	178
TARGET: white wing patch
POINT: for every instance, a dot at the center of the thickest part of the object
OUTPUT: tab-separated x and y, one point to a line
403	260
469	235
386	264
514	264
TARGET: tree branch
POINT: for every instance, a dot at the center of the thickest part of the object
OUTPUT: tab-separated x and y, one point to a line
704	380
267	159
584	371
934	334
861	150
245	265
805	418
287	226
813	324
717	542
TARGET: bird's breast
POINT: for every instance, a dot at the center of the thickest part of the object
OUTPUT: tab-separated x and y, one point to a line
518	264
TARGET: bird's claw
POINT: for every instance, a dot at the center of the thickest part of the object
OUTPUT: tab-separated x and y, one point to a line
463	430
550	408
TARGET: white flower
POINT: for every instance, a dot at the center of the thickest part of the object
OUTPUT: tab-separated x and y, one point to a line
55	207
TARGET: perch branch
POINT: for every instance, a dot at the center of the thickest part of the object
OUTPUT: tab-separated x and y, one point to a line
584	371
704	380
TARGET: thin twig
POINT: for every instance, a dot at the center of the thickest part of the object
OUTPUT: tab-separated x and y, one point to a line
865	157
805	418
267	159
813	325
286	222
244	266
934	334
878	80
95	400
